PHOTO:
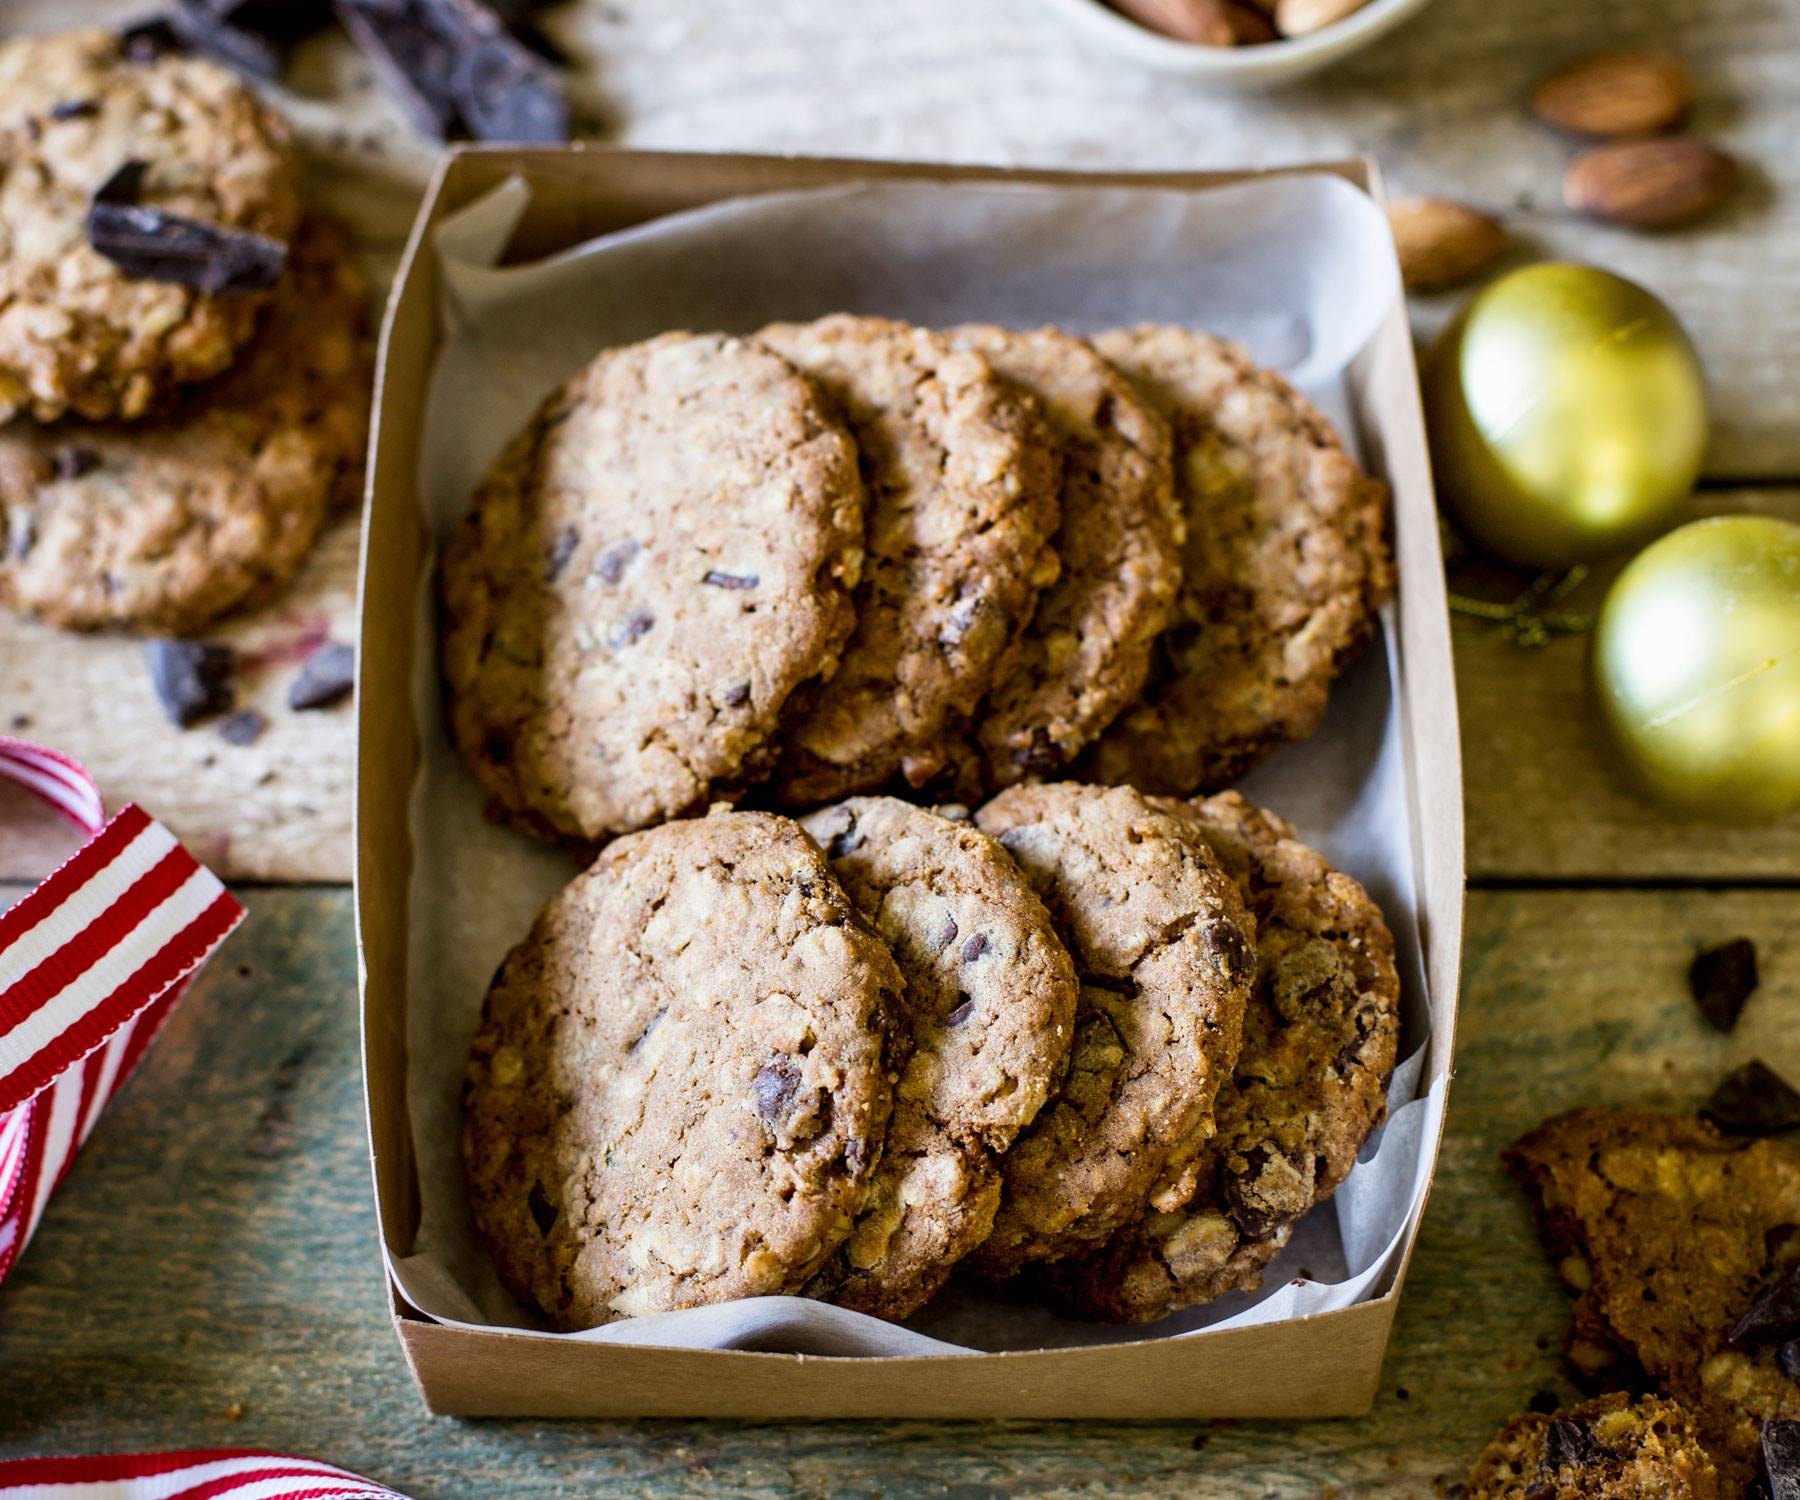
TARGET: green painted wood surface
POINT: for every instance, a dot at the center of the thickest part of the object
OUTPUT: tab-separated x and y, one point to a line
215	1247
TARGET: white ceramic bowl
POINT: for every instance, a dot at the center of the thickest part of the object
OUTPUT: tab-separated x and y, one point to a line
1242	67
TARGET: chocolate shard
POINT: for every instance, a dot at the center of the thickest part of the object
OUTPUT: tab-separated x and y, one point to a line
279	20
148	244
244	727
1781	1458
1774	1313
193	679
1722	979
506	93
326	678
1753	1100
411	55
199	28
125	185
1568	1444
74	109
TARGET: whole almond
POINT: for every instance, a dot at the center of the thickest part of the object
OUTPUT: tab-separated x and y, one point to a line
1303	17
1250	27
1649	184
1207	22
1441	243
1616	93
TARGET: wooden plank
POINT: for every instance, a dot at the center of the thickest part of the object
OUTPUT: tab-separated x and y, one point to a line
1545	799
277	809
216	1245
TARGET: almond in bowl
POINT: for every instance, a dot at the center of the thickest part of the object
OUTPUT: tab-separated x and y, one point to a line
1248	43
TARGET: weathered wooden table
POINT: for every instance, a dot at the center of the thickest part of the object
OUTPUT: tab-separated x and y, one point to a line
208	1275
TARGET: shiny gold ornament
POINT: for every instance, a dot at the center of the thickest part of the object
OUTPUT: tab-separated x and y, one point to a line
1697	667
1568	415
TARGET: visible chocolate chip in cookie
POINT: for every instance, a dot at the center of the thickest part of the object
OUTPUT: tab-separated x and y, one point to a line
680	1082
216	505
149	195
627	684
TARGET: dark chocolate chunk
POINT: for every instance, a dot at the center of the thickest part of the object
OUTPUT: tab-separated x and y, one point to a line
961	1011
21	532
649	1026
506	93
611	564
730	580
1774	1313
974	947
856	1155
1788	1357
326	678
201	29
192	678
1722	979
561	550
1236	959
775	1085
1781	1458
633	628
1040	758
74	109
533	36
412	56
737	695
244	727
279	20
148	244
543	1211
126	185
1568	1444
1753	1100
149	39
74	462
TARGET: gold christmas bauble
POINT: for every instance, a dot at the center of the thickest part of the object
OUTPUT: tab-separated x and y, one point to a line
1697	667
1567	412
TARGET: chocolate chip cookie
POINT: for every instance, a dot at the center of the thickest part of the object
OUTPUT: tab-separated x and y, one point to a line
79	332
1284	567
1320	1034
645	576
1683	1246
679	1087
1609	1449
1084	655
1165	953
165	525
989	1009
962	480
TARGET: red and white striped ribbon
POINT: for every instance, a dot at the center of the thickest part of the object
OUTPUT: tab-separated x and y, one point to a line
91	963
217	1474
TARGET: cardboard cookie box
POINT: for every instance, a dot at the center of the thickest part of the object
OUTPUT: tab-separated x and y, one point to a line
1296	262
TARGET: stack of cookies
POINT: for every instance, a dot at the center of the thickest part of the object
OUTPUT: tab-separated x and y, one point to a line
1102	1040
184	362
1104	1046
857	556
